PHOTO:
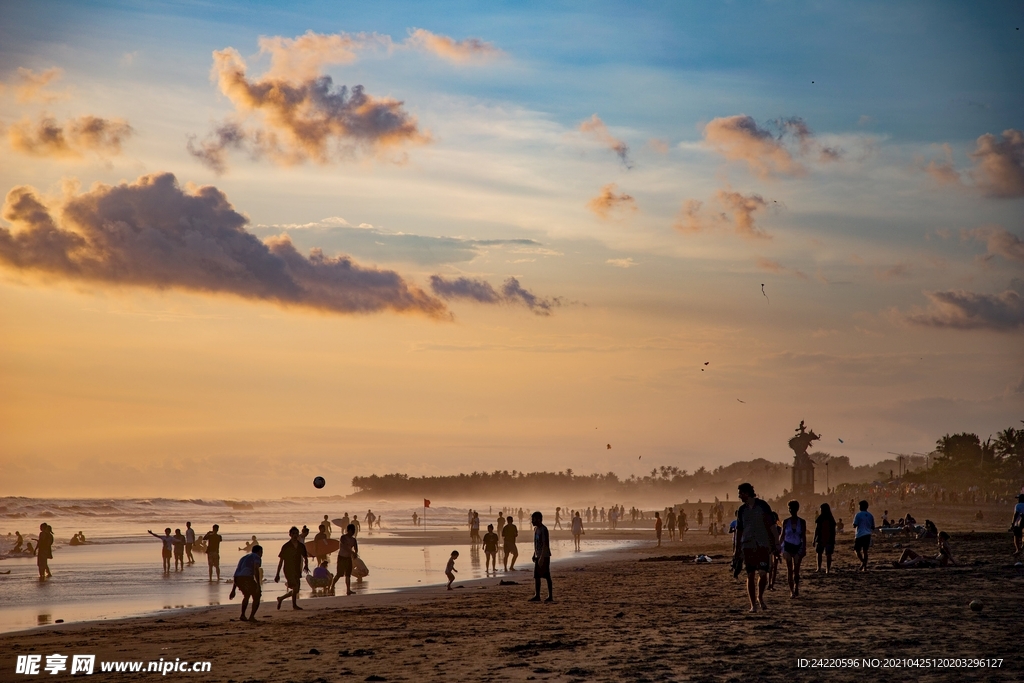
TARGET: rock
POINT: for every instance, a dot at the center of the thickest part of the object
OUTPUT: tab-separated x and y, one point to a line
976	605
314	651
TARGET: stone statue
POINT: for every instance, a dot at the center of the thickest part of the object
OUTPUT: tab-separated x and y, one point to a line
803	466
802	441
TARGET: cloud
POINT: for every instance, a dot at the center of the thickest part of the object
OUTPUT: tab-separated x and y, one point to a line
150	233
302	59
739	138
609	199
47	138
899	271
999	242
481	291
943	172
775	267
743	207
963	310
622	262
595	128
299	118
468	51
999	164
738	214
658	145
30	86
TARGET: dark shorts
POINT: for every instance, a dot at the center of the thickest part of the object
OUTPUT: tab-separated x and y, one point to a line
791	548
166	552
511	548
825	549
179	553
1018	532
293	580
213	559
249	586
542	568
344	566
862	542
756	559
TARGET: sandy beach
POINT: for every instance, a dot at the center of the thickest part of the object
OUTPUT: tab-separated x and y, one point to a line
641	613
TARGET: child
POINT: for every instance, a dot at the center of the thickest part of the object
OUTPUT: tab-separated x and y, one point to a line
490	549
450	570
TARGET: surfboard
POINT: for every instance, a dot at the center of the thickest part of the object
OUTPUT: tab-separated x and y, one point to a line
327	547
359	568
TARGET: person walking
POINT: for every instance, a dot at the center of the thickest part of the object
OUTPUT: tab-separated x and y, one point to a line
509	534
794	546
577	529
294	559
44	550
657	527
247	580
755	543
541	557
864	523
825	536
190	541
213	539
1017	526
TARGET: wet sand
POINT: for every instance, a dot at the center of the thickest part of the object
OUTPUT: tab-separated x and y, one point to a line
617	616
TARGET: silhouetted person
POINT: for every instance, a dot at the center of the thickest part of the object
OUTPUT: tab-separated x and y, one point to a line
450	571
213	539
509	534
293	559
755	543
44	550
577	529
944	558
179	550
327	527
670	521
346	556
490	549
415	519
558	518
190	542
541	557
19	542
247	580
825	536
168	547
249	544
657	527
864	523
320	543
1016	526
794	546
474	528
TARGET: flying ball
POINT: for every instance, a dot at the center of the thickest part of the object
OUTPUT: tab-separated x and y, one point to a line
319	482
976	605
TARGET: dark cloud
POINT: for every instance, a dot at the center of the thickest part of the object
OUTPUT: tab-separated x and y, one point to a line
151	233
72	139
482	291
965	310
295	120
999	164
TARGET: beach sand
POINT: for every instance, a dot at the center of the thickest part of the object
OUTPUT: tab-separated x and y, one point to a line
617	617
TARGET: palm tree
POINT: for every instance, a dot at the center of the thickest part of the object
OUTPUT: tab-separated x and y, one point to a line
1010	445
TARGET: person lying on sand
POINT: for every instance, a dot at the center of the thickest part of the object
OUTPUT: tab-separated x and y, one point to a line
911	560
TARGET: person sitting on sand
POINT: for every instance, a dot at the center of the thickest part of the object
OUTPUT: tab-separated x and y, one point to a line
450	571
509	534
840	526
168	547
944	558
293	558
347	552
18	543
794	546
246	580
249	545
490	550
929	531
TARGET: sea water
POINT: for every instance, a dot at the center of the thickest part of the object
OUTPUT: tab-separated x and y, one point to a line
118	573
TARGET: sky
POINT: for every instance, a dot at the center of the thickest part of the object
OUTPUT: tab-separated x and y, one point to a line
245	244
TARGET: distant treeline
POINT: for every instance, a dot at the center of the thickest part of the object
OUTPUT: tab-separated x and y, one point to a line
664	483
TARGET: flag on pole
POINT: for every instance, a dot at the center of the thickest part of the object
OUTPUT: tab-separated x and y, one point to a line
426	503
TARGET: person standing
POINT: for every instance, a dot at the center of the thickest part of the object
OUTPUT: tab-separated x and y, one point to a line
168	546
293	559
657	526
370	518
755	543
190	540
179	550
864	523
541	557
474	528
825	536
509	534
794	546
1017	526
213	539
327	527
558	518
247	580
346	557
490	550
577	529
670	520
44	550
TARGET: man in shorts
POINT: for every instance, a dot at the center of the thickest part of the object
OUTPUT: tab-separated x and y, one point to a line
247	580
1017	526
213	540
755	543
168	546
293	559
509	534
346	554
541	557
190	541
490	550
864	523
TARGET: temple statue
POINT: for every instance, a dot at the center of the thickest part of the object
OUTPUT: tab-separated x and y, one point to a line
803	466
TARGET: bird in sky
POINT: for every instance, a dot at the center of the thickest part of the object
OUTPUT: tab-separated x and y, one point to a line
741	401
841	441
708	363
609	446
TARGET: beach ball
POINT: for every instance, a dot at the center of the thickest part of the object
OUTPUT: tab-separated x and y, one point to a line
319	482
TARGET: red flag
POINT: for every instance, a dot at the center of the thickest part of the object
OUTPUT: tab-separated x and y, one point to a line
426	503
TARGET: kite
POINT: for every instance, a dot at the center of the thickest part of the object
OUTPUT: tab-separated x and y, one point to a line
609	446
841	441
741	401
765	294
